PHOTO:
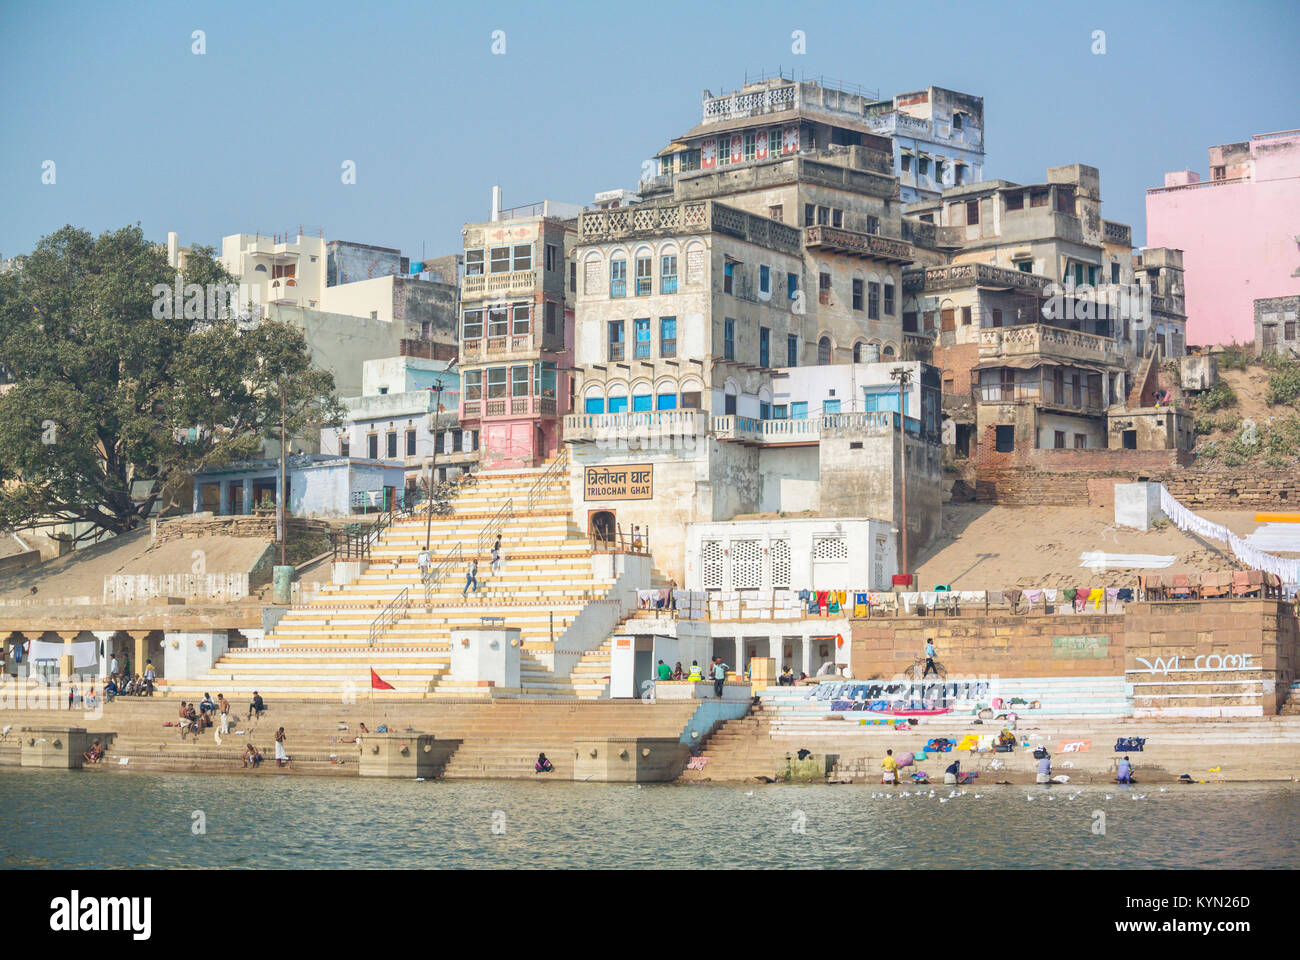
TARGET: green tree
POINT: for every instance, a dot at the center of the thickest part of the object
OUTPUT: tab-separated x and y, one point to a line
120	394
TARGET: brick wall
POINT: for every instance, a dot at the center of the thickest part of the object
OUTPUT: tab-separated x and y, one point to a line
1234	491
241	525
1005	645
1155	645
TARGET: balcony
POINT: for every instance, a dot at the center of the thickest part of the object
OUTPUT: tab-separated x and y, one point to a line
957	275
500	407
688	217
619	427
728	428
1042	391
868	246
1040	339
512	283
492	348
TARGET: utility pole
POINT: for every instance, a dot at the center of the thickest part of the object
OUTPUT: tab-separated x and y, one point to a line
904	376
284	489
433	457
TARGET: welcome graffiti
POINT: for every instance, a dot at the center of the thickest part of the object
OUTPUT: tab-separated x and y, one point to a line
1202	663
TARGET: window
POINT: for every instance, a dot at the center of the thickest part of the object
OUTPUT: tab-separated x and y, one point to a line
830	406
997	317
792	285
792	351
498	324
1081	441
500	260
410	443
473	263
965	316
573	276
594	404
641	331
643	277
824	351
1004	438
889	299
764	410
777	212
690	399
799	410
524	256
750	145
873	224
519	381
923	166
927	320
372	446
642	402
521	317
390	445
345	447
552	256
472	328
764	278
1025	266
729	404
473	384
972	212
959	174
666	401
956	121
764	347
1059	440
809	214
1038	198
907	163
947	320
729	276
909	321
496	383
1015	201
938	170
857	294
780	411
1218	173
439	442
616	339
837	218
552	314
544	378
668	273
873	301
1114	272
824	288
729	338
667	336
618	278
618	404
823	216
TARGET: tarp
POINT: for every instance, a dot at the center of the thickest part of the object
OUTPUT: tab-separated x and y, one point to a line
1097	560
84	654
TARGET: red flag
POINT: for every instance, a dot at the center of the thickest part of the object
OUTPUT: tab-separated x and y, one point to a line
378	684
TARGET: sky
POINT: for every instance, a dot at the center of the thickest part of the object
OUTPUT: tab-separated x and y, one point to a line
252	134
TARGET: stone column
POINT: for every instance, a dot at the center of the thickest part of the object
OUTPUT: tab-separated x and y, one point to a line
139	649
248	495
65	661
740	655
807	654
226	487
198	495
104	637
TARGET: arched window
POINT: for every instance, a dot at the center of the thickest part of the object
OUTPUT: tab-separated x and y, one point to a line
593	399
824	351
888	352
859	352
617	393
642	401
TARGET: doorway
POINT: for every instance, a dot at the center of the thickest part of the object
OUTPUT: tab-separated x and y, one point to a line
601	524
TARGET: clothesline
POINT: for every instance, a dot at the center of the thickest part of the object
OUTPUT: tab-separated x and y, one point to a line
1253	557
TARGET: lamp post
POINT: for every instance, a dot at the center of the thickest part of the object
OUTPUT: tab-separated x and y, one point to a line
904	376
433	457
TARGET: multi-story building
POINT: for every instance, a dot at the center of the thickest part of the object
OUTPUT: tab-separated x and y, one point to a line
407	413
1237	232
938	138
516	336
1036	319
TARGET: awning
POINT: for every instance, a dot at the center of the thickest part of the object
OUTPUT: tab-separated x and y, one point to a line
1015	363
674	147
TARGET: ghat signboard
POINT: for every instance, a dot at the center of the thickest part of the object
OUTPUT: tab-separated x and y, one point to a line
632	481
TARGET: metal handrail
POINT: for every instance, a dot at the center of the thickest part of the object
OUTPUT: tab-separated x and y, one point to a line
560	465
438	572
496	524
392	612
621	542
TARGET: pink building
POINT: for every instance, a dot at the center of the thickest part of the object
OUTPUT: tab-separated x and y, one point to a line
1238	232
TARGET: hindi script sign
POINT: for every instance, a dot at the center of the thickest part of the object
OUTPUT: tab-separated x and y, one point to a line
625	482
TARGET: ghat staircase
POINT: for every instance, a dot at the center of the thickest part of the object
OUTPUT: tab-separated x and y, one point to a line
326	647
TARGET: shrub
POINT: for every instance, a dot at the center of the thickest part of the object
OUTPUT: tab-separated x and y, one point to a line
1284	384
1217	397
1235	357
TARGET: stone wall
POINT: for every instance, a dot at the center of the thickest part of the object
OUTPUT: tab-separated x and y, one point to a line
1245	490
1185	658
255	526
1064	645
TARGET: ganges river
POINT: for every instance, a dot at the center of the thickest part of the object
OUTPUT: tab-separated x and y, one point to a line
61	819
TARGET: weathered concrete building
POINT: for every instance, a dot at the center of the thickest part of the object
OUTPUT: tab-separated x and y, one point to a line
517	332
1277	325
938	138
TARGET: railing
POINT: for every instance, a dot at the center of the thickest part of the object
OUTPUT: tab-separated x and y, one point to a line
394	611
439	571
866	244
617	541
350	545
495	525
549	475
515	281
1032	338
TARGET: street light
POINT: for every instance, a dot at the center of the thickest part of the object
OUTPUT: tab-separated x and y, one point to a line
428	525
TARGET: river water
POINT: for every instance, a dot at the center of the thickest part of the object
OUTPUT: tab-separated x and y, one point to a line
58	819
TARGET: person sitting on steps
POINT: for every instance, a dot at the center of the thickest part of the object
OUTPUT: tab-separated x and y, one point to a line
256	706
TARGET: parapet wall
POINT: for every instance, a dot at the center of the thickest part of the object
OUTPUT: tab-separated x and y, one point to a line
1184	658
1082	477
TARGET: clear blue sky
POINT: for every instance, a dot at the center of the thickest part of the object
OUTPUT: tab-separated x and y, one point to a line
251	135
